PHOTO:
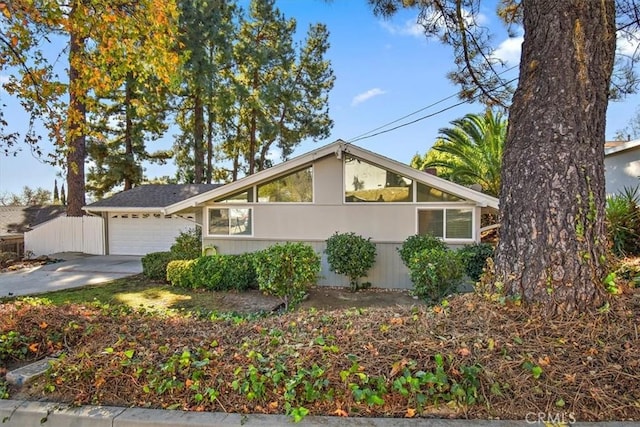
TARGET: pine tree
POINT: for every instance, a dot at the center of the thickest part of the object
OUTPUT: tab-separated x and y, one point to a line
56	195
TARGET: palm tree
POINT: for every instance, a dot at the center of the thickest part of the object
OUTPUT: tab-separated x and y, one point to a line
470	152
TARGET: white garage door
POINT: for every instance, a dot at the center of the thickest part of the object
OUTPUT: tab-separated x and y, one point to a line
142	233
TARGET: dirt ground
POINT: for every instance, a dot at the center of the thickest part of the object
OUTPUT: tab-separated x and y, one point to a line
324	298
329	298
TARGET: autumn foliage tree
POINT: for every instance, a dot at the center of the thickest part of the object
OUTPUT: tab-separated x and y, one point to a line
105	41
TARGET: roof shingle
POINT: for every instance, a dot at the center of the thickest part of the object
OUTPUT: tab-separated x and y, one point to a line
152	196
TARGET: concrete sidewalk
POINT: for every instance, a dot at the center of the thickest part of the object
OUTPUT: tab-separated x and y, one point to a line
77	270
20	414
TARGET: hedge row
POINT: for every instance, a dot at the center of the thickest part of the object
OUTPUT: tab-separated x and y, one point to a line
285	271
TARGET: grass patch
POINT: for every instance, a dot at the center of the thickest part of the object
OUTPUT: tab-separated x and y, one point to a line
140	292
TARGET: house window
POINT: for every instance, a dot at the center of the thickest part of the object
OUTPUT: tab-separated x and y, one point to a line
448	224
427	193
366	182
245	196
229	222
297	187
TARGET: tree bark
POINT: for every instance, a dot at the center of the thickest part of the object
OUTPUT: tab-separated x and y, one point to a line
552	248
128	133
198	139
76	150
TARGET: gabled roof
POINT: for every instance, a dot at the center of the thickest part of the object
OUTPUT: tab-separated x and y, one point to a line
15	220
336	148
613	147
152	197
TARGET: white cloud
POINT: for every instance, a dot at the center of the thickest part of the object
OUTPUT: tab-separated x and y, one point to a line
627	44
365	96
409	28
509	50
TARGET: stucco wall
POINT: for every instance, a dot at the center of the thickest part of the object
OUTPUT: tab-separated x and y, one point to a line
622	169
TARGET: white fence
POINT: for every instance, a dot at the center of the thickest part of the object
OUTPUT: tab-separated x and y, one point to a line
67	234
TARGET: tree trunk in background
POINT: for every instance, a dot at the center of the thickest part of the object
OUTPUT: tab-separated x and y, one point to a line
76	150
552	242
128	132
198	139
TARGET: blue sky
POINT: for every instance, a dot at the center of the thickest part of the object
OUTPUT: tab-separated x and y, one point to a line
384	69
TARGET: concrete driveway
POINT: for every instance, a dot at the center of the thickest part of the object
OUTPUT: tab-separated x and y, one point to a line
77	270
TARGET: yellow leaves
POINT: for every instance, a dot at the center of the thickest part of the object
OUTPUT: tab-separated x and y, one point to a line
396	321
99	382
410	413
397	367
33	347
273	405
5	10
14	41
544	361
43	325
340	413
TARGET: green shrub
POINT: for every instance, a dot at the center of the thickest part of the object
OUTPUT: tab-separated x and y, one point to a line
188	244
287	271
435	272
180	273
623	222
417	243
154	265
351	255
474	257
226	272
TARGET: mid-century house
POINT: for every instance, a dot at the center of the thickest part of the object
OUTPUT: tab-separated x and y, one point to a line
339	187
621	165
16	220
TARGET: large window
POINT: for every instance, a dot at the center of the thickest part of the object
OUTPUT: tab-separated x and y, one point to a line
296	187
454	224
427	193
366	182
229	222
245	196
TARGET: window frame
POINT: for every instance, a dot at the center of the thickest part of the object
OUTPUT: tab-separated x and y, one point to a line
256	187
228	207
412	187
444	208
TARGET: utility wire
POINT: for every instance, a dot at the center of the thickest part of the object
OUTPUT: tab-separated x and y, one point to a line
364	135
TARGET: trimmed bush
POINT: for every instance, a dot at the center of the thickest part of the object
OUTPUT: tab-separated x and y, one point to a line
180	273
287	271
417	243
352	255
154	265
474	257
435	272
226	272
188	244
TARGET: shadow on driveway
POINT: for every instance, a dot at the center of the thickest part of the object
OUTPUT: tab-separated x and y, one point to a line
77	270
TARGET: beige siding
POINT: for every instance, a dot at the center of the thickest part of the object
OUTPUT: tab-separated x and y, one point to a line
387	273
327	180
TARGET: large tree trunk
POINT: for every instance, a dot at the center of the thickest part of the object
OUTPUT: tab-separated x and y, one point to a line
552	242
198	139
128	133
76	150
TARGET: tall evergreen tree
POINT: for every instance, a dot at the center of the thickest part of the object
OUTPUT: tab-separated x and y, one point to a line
56	194
105	40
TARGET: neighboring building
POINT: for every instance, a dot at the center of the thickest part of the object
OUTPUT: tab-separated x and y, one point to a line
16	220
336	188
621	165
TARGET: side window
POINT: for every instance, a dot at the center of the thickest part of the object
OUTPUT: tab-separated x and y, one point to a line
448	224
230	221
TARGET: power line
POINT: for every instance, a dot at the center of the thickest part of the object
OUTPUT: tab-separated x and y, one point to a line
364	135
